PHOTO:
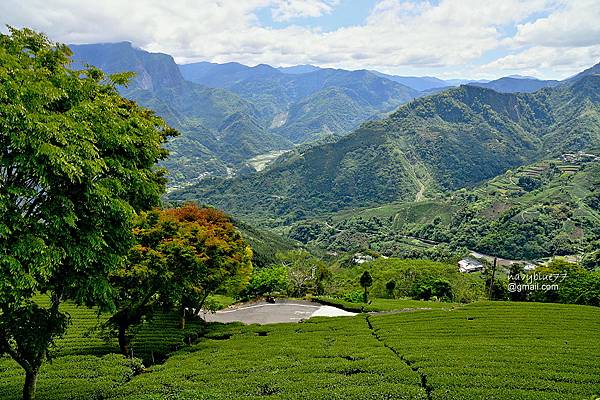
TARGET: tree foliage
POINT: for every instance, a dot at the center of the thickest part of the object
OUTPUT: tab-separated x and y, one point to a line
181	256
76	162
366	280
306	273
269	280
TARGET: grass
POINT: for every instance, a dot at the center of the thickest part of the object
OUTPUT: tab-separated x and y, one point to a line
406	273
223	300
401	213
480	351
68	377
335	358
85	364
153	338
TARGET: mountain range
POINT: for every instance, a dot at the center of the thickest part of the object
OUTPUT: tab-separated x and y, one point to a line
279	145
456	138
516	84
230	113
548	208
305	106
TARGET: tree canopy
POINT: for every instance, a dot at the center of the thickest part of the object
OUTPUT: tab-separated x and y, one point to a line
77	161
181	256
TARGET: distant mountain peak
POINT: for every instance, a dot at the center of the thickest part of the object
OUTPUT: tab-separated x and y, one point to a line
299	69
515	84
517	76
153	70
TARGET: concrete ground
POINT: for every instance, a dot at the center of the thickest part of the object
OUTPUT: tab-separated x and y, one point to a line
272	313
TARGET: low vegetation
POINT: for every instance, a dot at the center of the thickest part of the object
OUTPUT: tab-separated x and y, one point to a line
439	353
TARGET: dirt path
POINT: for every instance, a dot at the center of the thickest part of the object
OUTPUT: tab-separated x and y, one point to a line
423	376
419	196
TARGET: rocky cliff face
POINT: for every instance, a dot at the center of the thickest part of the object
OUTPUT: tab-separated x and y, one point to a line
153	70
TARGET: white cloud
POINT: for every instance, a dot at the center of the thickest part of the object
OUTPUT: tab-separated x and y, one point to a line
562	43
444	38
550	62
575	23
285	10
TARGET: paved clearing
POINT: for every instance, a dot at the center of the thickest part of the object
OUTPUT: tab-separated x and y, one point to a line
273	313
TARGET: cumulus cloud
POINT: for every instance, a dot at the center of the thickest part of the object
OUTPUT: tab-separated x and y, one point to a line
447	37
564	42
284	10
573	24
561	61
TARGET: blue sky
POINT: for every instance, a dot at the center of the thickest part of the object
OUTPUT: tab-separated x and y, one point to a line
347	13
476	39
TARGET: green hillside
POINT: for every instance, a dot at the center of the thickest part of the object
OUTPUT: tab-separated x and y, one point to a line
265	244
304	107
516	85
218	128
543	209
328	112
457	138
549	208
274	91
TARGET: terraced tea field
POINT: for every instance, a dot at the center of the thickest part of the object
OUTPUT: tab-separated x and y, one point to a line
501	351
319	359
86	365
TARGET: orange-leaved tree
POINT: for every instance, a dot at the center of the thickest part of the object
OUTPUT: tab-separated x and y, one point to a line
182	255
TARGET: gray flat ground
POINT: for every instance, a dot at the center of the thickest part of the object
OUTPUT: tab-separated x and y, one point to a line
272	313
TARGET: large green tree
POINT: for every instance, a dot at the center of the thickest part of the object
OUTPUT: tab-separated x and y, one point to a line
181	256
77	161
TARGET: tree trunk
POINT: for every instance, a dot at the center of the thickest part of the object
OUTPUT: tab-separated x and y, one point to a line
123	340
491	294
365	296
31	377
182	321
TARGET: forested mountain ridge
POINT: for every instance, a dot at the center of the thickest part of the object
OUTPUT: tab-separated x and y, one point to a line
548	208
576	109
324	95
420	83
454	139
218	128
593	70
232	112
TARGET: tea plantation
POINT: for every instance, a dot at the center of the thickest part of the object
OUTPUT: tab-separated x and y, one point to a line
524	351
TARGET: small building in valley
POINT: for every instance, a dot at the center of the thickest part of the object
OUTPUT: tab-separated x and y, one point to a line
528	267
360	258
470	265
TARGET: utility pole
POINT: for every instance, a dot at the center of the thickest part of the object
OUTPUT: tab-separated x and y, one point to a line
492	280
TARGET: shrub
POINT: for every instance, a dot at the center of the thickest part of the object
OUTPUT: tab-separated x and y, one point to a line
354	297
269	280
426	289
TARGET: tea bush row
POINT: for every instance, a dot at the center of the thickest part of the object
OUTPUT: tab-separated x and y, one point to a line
500	350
